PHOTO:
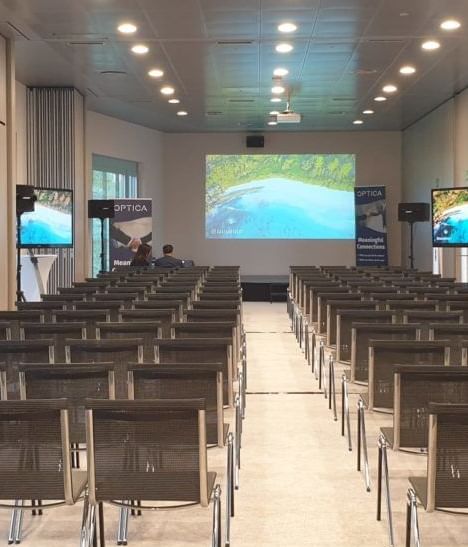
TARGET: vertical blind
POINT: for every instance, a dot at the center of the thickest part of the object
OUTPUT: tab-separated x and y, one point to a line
51	159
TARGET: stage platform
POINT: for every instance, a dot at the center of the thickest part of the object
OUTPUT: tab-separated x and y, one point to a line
264	288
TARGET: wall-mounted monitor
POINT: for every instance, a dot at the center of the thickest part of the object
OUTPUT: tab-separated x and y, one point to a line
280	196
450	217
51	223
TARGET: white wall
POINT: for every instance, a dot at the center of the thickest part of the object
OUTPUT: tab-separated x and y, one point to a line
21	134
118	139
378	162
428	162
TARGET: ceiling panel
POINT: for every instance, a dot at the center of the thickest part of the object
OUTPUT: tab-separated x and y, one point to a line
220	56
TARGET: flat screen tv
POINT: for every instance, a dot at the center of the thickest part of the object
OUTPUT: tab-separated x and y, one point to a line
450	217
51	222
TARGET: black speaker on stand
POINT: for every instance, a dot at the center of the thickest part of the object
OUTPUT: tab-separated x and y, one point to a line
411	213
25	203
101	209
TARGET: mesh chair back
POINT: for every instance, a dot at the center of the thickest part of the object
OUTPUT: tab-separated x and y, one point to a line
316	290
415	388
216	289
344	321
383	297
148	450
90	317
98	284
383	355
34	454
5	331
175	305
182	296
233	296
199	350
28	351
111	307
147	331
459	306
332	309
120	352
138	290
456	334
216	304
196	381
57	332
60	298
73	382
420	316
322	301
162	316
212	329
45	308
125	300
211	315
84	288
409	305
14	318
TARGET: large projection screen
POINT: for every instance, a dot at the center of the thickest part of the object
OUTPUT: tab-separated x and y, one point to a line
292	196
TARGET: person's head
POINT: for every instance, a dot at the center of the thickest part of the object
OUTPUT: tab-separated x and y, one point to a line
168	249
143	251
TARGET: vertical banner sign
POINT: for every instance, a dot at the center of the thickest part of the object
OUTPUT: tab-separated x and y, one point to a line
371	226
131	226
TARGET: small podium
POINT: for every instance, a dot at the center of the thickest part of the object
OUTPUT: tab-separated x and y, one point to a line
34	277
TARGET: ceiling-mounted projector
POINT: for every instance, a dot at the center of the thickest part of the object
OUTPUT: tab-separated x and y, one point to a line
288	117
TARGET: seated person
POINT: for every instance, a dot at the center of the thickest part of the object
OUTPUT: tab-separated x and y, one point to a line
142	256
167	260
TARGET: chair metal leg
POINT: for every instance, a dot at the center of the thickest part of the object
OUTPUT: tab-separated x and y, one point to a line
14	534
122	534
320	367
238	443
412	523
345	418
102	540
332	402
88	524
362	444
229	488
383	475
216	534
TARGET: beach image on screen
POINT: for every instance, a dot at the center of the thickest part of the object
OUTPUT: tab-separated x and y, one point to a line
450	217
51	223
293	196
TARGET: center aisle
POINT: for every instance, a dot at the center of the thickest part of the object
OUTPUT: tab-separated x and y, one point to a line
297	486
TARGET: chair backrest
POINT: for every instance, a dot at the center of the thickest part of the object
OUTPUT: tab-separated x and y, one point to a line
120	352
447	465
57	332
332	309
163	316
459	305
211	315
73	382
215	304
147	331
212	329
35	459
175	305
383	297
147	450
59	299
344	320
5	330
424	316
199	350
234	296
128	289
384	354
13	353
457	334
410	305
126	298
322	301
46	308
362	333
85	288
111	307
194	381
415	388
90	317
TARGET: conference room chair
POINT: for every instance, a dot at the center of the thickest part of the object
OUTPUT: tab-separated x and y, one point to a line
322	300
335	306
136	284
139	291
153	451
14	318
426	317
85	288
216	304
344	321
98	284
457	334
185	296
57	332
215	315
384	354
410	305
46	308
125	300
90	317
209	288
165	317
35	459
184	381
59	299
459	306
118	351
363	333
13	353
309	296
147	331
177	306
200	350
444	485
415	388
111	307
5	331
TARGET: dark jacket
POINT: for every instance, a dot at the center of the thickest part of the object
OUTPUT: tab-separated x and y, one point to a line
168	262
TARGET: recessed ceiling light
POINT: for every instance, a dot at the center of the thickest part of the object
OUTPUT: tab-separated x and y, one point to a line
274	113
272	122
358	122
368	112
407	69
277	89
140	49
287	27
167	90
156	73
174	101
182	113
284	48
431	45
380	99
127	28
275	100
450	24
280	72
390	88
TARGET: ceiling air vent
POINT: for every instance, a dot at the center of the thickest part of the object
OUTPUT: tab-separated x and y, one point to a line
113	73
234	42
241	100
79	43
90	91
214	113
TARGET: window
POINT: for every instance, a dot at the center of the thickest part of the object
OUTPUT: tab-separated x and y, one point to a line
112	178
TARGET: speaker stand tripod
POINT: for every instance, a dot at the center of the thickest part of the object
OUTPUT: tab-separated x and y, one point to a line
411	254
19	293
103	258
